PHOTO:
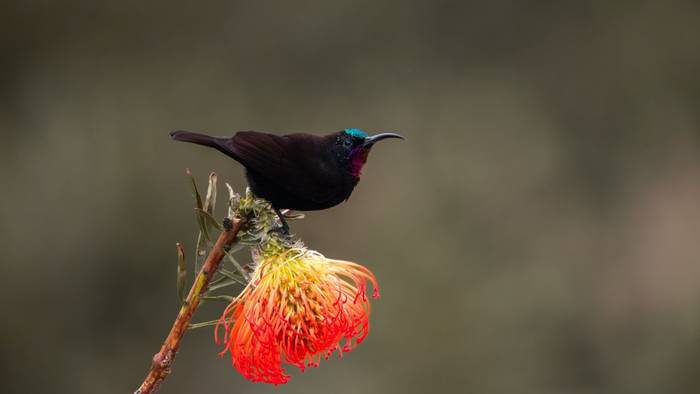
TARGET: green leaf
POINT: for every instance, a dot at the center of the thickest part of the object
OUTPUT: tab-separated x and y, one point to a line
210	201
202	324
234	276
195	190
198	205
181	272
234	201
208	219
220	298
235	248
226	282
235	264
203	230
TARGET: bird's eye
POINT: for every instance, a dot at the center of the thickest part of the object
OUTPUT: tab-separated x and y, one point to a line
347	143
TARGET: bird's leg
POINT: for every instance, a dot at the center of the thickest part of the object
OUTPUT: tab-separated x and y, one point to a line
285	226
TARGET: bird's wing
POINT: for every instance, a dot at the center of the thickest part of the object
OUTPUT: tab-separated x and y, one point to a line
265	153
287	161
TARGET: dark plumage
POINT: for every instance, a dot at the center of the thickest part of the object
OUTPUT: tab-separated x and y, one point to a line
299	171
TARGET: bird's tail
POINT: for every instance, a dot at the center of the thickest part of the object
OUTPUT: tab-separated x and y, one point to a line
195	138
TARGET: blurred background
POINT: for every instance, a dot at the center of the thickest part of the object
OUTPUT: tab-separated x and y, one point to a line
537	232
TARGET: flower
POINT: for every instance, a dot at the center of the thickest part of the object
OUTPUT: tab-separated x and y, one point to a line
298	307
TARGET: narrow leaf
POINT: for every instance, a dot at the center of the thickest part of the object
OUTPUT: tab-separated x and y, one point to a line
210	202
216	281
233	276
225	282
238	266
234	200
181	272
208	219
198	205
202	324
195	190
203	238
235	248
220	298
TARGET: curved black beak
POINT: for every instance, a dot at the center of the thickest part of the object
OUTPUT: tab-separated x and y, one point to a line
369	141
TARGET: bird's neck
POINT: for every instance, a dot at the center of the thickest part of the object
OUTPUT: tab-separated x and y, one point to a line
357	159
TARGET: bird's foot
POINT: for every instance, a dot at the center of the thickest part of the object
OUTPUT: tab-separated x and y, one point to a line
283	230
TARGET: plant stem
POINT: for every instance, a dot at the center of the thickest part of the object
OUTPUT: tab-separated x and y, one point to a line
160	367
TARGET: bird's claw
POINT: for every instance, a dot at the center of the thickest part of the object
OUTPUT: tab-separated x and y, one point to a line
282	230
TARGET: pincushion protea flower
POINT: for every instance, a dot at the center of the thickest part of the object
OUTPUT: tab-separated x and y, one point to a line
298	307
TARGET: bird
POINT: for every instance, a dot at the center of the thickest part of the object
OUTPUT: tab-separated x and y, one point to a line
298	171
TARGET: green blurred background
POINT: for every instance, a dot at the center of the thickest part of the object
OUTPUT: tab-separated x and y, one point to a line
537	232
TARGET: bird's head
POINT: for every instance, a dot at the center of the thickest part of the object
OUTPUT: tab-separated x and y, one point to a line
353	146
